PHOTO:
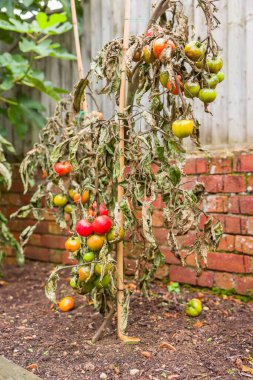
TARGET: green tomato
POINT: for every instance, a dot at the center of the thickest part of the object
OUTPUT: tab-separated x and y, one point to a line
87	287
88	257
221	76
72	282
194	307
214	65
207	95
191	89
98	269
212	81
60	200
195	50
68	208
104	283
164	78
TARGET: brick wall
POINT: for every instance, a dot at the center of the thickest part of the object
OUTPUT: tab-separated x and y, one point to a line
228	177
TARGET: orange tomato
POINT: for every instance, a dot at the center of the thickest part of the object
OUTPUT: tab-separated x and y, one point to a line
173	88
85	196
95	242
83	273
72	244
66	304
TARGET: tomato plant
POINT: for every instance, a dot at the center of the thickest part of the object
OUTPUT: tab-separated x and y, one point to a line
91	145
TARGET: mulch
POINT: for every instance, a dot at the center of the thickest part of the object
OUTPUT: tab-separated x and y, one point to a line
56	346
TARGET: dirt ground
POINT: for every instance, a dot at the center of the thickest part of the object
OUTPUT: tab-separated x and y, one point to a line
55	346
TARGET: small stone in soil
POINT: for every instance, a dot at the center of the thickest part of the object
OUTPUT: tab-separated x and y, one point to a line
134	371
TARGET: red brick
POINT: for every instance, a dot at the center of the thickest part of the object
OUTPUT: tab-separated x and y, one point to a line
221	165
17	186
160	235
244	244
67	260
55	256
232	224
206	279
249	225
246	204
157	218
227	243
228	262
158	203
51	241
187	240
170	258
213	184
162	272
234	184
36	253
244	163
189	183
224	280
234	204
216	203
54	229
155	168
244	285
190	166
250	183
201	165
182	274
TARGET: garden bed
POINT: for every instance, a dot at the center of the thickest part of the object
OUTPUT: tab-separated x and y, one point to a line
55	346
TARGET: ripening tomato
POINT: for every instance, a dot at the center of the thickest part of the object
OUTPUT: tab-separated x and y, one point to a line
212	81
116	235
63	168
95	242
92	212
72	193
220	75
191	89
173	88
73	282
44	174
72	244
60	200
182	128
148	55
103	209
158	46
164	78
102	224
194	307
66	304
68	208
88	257
104	283
85	196
84	273
84	228
207	95
195	50
98	269
214	65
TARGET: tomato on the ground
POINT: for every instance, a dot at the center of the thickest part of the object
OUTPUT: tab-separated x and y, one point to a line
194	307
66	304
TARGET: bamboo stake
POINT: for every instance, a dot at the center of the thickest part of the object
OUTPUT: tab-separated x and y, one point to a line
78	48
120	252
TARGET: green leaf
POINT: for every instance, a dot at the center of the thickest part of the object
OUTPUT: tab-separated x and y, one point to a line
7	83
26	45
7	145
175	175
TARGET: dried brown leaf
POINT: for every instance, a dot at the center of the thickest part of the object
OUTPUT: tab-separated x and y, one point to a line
168	346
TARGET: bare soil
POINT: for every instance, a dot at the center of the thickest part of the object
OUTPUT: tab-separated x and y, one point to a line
55	346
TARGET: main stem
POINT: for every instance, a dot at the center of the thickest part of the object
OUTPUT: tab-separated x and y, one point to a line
78	48
120	258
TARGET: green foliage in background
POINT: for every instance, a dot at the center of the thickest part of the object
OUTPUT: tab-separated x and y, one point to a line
28	29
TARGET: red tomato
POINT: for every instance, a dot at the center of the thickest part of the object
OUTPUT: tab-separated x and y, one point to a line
159	45
174	88
103	210
102	224
63	168
84	228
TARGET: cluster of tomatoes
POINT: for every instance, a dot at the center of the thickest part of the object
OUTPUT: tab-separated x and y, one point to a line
200	82
91	233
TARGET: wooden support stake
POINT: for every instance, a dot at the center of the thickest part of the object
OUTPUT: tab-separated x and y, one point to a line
78	48
120	252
